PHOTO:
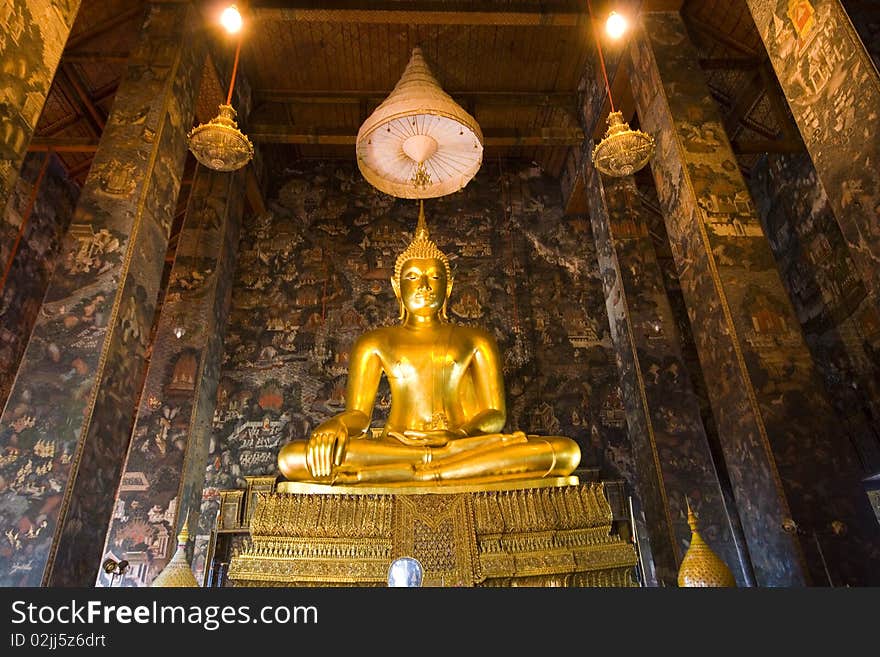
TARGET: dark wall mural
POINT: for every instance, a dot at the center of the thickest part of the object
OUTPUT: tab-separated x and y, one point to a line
314	274
833	89
69	416
766	397
841	326
36	256
32	37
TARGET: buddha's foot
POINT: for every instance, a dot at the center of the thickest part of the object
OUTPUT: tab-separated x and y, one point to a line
373	474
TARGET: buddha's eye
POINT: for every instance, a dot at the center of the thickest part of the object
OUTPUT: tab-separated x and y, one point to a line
411	276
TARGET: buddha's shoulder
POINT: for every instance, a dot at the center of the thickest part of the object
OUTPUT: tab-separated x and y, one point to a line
377	335
474	334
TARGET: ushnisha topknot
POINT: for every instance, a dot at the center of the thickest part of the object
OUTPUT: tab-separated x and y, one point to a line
421	247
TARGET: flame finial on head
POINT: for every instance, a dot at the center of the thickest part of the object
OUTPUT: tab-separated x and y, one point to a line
422	247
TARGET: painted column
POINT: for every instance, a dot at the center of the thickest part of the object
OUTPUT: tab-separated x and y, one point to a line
32	38
787	457
39	211
671	451
840	325
161	483
833	89
67	424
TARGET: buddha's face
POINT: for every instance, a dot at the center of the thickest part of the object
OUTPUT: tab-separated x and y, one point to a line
423	286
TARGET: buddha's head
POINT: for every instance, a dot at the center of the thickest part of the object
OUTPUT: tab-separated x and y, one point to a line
422	278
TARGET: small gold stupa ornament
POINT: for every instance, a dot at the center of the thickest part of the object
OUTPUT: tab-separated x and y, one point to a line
701	567
419	143
177	573
622	151
219	144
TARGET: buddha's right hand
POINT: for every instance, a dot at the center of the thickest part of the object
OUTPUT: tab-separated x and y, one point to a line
326	447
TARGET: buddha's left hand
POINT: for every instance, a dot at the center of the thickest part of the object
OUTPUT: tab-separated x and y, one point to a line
432	438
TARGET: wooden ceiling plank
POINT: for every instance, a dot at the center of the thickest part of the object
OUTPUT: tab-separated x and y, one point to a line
745	103
545	136
717	35
419	16
81	91
105	26
565	100
70	92
63	145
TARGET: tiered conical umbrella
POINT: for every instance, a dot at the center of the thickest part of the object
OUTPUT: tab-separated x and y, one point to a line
177	573
419	143
701	567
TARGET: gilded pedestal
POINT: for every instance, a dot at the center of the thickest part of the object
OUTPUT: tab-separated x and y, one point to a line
547	532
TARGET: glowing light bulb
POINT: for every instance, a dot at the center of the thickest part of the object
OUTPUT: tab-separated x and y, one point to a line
231	19
616	25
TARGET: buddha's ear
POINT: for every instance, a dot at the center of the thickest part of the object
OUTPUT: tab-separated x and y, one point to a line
395	285
446	300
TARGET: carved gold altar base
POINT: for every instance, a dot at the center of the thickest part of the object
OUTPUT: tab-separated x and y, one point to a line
544	532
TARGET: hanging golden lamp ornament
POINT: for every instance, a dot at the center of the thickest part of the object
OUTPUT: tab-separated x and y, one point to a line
219	144
622	151
419	143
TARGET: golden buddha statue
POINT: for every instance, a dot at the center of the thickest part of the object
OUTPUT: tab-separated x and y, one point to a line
447	399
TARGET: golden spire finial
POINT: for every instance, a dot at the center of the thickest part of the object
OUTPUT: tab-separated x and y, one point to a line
422	227
421	247
177	573
701	567
692	517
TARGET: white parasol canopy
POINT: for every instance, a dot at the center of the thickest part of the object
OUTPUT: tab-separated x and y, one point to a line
419	143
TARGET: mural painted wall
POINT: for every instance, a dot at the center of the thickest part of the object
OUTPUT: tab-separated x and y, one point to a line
32	37
840	325
314	273
35	258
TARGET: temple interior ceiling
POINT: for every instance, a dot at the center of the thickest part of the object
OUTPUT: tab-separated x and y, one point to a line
316	73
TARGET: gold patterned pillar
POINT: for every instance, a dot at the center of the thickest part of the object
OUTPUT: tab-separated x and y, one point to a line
787	457
161	483
833	90
32	37
67	424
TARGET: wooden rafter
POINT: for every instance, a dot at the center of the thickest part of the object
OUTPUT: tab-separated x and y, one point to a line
102	28
356	97
286	134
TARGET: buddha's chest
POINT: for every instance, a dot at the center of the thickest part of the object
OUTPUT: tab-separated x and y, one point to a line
420	363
